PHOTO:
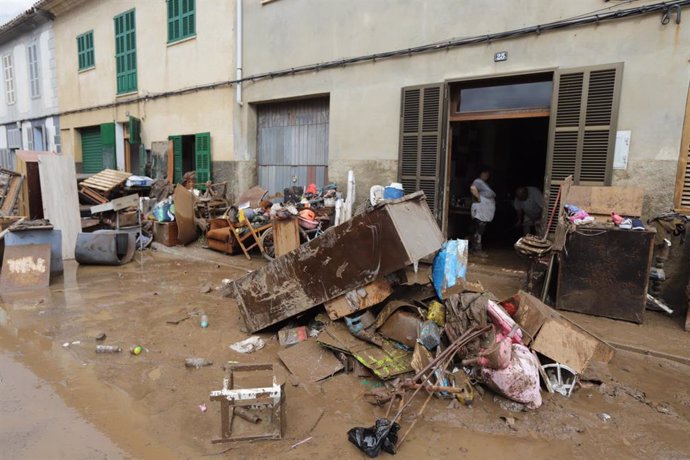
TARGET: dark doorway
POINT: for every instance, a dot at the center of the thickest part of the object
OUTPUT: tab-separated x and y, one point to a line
188	154
515	151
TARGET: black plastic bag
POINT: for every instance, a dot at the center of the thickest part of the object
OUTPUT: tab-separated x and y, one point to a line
383	435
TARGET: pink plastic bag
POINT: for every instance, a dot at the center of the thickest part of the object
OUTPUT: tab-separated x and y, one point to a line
519	381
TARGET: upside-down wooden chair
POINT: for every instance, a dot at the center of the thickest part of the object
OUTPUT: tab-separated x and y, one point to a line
251	234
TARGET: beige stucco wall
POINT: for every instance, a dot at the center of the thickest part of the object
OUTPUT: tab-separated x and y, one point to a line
365	98
207	58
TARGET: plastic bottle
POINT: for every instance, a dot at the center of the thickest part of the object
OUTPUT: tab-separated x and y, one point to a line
107	349
204	321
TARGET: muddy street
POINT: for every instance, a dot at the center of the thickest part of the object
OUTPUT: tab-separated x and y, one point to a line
56	389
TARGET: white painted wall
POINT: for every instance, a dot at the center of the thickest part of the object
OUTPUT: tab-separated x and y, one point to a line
27	108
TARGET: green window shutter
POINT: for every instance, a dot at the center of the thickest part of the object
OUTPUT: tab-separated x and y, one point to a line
85	50
108	145
134	130
142	160
126	52
202	151
91	150
177	158
181	19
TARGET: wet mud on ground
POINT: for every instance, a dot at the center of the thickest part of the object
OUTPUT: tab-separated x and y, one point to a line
147	406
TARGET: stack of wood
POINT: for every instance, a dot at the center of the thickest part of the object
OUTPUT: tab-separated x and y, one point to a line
10	187
100	188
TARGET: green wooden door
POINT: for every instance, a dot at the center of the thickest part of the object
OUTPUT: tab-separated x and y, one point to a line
91	150
202	152
177	158
108	145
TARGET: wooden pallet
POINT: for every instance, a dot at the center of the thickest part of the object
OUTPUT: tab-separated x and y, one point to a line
93	196
106	180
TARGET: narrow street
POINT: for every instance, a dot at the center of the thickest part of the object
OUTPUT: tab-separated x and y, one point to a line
148	405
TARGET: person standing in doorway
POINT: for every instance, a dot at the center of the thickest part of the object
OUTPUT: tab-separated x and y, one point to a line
529	205
483	208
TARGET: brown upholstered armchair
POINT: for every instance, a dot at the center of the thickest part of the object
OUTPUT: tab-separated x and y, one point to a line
221	236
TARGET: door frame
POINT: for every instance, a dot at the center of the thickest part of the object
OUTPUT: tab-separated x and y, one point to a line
481	116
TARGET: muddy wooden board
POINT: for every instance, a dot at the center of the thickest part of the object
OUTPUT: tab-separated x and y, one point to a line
60	198
359	299
563	339
184	215
367	247
25	267
386	362
285	236
309	361
626	201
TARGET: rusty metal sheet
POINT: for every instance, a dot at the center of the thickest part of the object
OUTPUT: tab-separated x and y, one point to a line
368	246
25	267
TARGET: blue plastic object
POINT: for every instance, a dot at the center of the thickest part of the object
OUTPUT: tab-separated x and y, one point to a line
390	193
450	266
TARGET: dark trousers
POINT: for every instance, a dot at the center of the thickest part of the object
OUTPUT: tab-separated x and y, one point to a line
479	227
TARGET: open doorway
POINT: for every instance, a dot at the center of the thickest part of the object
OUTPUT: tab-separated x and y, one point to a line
502	125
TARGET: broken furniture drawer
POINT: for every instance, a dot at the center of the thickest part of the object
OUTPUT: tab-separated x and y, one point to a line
605	272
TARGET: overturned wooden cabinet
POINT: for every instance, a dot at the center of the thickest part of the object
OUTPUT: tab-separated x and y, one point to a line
391	236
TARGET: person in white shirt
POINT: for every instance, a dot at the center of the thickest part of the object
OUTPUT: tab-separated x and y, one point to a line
529	205
483	208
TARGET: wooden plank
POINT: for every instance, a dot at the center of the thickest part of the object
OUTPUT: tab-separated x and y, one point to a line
60	198
285	236
355	300
683	157
117	204
626	201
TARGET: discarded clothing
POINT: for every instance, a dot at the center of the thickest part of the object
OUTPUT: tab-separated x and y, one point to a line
382	436
519	381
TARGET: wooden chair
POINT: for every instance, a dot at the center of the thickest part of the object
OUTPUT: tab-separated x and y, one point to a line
251	233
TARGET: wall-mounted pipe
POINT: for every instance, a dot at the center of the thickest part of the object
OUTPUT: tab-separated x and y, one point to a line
238	52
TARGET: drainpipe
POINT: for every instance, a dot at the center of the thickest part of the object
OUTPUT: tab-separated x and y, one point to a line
238	52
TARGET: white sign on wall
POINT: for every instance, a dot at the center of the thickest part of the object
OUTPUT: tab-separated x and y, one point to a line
620	153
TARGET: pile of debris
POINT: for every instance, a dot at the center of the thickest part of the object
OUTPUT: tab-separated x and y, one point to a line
446	337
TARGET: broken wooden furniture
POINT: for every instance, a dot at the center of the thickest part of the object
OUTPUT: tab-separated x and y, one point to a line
605	272
391	236
30	198
221	236
165	233
246	231
556	337
10	188
270	397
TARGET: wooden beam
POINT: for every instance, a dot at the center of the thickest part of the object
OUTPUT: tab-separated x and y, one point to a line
500	115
